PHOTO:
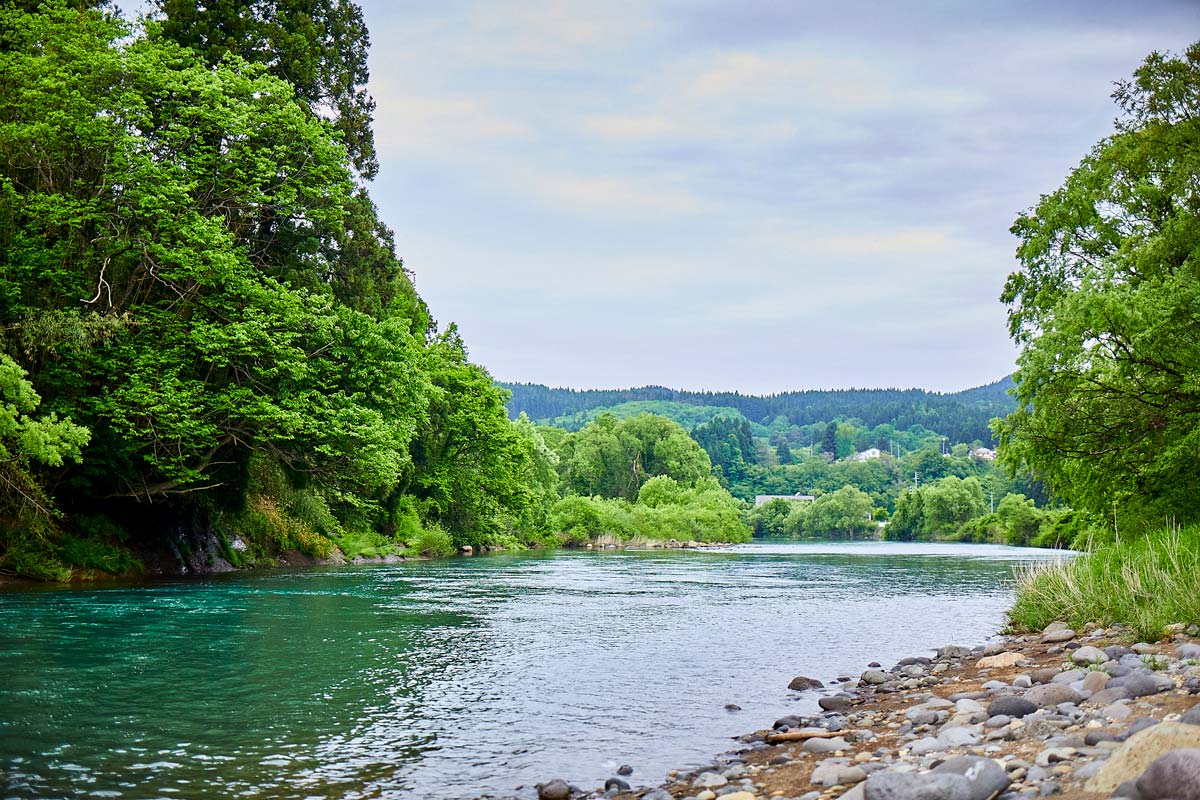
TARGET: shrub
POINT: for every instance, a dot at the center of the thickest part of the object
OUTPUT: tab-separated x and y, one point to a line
1146	583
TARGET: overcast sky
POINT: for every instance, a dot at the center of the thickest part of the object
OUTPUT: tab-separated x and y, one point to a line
737	195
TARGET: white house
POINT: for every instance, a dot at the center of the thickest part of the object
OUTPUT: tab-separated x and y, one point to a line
867	455
983	454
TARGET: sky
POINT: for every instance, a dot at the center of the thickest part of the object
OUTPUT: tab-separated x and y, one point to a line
760	196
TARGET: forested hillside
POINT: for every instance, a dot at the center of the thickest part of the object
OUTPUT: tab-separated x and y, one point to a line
962	416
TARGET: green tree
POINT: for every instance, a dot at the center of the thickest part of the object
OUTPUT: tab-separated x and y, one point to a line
1020	518
949	503
845	512
318	46
613	458
1103	308
908	521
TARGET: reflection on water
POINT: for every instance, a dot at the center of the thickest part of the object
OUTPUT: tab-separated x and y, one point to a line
457	678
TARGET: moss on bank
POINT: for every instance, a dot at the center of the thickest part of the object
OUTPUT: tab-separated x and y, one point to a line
1147	583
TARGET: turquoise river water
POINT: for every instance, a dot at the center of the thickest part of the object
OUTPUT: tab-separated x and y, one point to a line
457	678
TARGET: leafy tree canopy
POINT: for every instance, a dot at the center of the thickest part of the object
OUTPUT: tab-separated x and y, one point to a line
1104	308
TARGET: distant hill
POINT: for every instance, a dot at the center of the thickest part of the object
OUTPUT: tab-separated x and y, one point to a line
963	416
688	415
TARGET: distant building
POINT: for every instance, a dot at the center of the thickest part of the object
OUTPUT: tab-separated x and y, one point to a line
763	499
983	454
867	455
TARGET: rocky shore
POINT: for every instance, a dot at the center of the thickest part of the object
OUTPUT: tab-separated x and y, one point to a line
1087	714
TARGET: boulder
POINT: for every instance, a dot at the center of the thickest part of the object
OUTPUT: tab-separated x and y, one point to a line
874	677
1175	775
1011	706
1132	758
800	683
988	779
917	786
624	769
1062	635
1049	695
557	789
616	783
1186	651
1191	716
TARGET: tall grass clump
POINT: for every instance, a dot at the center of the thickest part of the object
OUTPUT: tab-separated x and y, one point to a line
1146	583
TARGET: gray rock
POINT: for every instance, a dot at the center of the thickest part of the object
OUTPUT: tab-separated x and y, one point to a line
921	716
624	769
1188	651
617	784
1144	648
914	786
557	789
958	737
1092	738
1051	694
1192	715
826	773
1175	775
732	707
790	721
1116	712
1089	655
848	776
1116	651
1138	725
1060	635
801	683
837	702
925	746
998	721
987	778
1128	791
825	745
954	651
1011	706
658	794
1142	683
1096	681
874	677
1110	695
709	780
1069	676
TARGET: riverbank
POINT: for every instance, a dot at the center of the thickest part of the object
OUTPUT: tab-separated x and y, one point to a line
1057	713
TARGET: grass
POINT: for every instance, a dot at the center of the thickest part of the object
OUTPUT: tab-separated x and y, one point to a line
1147	584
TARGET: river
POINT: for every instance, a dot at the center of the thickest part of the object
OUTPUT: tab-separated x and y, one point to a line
458	678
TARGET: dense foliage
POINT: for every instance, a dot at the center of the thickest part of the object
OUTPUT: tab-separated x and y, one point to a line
203	323
1104	308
